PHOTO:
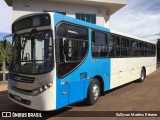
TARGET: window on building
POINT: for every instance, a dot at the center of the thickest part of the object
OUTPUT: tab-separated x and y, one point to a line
99	44
91	18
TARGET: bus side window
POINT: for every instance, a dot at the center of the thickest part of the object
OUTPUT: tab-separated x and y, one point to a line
110	46
114	46
125	47
141	49
72	46
153	50
99	44
150	49
133	48
146	49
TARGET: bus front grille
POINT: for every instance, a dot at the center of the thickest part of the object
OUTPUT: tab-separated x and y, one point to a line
20	78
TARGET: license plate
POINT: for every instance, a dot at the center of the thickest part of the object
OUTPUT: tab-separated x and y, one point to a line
17	98
13	83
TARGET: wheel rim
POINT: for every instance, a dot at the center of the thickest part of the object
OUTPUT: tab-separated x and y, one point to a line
142	75
95	91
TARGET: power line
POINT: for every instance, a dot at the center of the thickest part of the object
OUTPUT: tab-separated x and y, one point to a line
151	35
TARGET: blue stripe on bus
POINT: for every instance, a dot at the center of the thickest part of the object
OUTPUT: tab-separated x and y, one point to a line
77	88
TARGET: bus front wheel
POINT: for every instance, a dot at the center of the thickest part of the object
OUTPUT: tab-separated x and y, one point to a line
93	92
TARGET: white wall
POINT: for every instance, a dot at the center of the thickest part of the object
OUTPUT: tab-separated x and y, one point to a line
19	9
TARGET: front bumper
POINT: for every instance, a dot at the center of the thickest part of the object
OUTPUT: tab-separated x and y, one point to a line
42	102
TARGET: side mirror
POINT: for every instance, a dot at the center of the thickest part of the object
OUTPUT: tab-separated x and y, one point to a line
4	44
5	41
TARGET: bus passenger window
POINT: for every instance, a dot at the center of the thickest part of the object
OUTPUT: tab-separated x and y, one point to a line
153	50
146	49
99	44
133	48
125	47
72	46
141	49
114	46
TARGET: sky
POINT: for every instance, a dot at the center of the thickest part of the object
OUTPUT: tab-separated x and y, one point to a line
139	17
5	19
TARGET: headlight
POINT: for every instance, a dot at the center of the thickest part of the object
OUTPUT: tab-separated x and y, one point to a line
41	89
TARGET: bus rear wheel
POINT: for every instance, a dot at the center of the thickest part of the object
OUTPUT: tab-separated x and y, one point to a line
93	92
143	75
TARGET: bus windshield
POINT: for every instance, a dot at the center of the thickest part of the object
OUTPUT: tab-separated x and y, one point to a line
32	53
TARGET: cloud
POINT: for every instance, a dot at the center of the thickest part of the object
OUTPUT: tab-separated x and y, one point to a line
5	17
139	18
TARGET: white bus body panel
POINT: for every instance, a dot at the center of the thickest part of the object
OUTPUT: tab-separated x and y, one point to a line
125	70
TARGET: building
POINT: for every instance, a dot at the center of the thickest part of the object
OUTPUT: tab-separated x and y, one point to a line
94	11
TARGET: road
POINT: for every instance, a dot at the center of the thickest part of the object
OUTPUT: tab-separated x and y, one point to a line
131	97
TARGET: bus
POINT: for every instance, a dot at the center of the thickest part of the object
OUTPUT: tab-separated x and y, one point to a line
58	60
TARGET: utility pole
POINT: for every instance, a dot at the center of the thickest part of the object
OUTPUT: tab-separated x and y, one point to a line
4	71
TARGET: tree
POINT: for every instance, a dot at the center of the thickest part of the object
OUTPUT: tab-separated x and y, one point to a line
5	54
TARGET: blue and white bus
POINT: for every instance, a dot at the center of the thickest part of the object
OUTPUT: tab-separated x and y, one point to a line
58	60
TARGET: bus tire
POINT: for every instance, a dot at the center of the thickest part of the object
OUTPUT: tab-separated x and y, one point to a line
143	75
93	92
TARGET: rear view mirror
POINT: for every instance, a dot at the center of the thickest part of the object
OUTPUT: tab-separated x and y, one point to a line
4	44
